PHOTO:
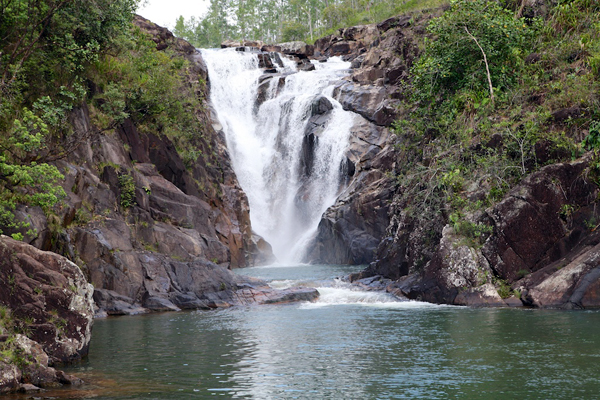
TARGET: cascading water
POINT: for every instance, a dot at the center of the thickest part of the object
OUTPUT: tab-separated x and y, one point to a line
287	138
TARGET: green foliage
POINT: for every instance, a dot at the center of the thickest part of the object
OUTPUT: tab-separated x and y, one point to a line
22	179
280	20
592	140
127	187
293	30
455	146
504	289
46	49
453	60
475	233
149	87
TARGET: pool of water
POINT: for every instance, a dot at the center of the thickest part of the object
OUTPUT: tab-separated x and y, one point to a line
348	345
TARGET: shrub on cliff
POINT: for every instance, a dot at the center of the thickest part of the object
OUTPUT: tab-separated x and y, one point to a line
459	152
476	45
46	49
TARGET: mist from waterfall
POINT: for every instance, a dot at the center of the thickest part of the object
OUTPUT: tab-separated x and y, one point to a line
287	194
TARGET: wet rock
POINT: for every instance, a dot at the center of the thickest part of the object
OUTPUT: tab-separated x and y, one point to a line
188	301
264	61
305	65
368	101
112	303
350	231
262	251
260	295
373	283
157	303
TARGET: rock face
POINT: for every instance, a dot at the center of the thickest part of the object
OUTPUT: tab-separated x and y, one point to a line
352	229
169	285
48	297
549	258
542	250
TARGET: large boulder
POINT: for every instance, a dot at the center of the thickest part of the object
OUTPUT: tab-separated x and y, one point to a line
298	49
457	274
169	285
48	297
367	100
530	229
572	281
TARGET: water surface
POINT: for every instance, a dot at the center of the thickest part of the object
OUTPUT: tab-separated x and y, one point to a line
349	345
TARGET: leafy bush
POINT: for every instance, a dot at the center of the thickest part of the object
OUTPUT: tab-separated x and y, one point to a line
592	140
150	88
454	59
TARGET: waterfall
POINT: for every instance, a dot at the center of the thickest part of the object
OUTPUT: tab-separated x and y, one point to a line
287	139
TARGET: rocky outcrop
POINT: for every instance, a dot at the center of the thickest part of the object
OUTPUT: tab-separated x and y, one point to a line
351	230
543	250
349	42
169	285
46	297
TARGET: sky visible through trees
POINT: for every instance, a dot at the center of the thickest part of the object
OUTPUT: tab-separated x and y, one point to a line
284	20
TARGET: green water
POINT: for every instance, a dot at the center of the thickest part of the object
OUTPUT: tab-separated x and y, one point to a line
349	345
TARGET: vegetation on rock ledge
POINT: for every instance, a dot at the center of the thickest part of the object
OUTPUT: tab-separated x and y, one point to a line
495	96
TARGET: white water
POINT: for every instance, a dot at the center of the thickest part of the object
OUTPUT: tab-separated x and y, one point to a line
265	144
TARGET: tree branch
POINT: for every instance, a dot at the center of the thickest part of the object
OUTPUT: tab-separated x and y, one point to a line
487	67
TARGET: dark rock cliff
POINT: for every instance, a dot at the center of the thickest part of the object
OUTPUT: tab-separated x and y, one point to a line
352	229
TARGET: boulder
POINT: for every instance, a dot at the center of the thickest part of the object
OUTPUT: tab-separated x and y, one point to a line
366	100
297	49
53	292
230	43
572	283
485	295
529	232
48	296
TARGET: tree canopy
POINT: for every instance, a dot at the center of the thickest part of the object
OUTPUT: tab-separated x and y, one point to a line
284	20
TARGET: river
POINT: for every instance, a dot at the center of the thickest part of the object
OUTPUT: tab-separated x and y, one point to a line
348	345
